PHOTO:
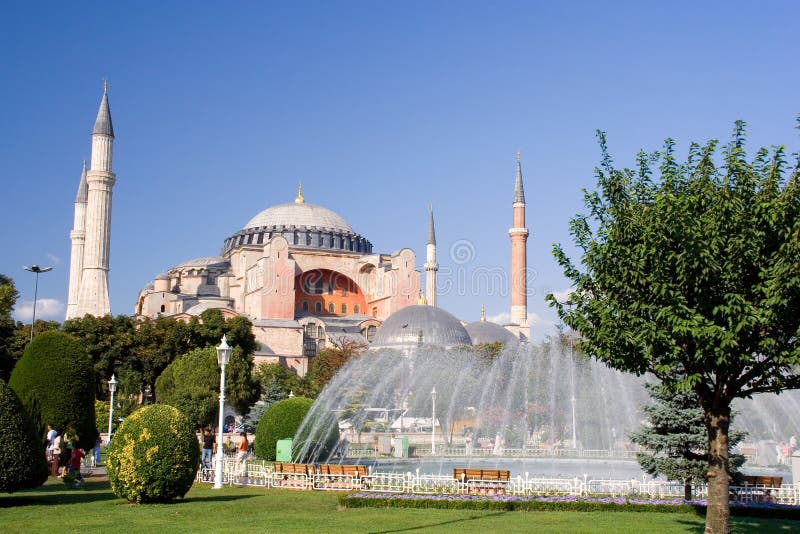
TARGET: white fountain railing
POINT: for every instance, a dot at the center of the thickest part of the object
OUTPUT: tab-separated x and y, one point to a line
356	451
260	474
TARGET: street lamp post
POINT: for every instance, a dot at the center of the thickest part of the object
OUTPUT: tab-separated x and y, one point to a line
223	357
36	269
112	387
433	420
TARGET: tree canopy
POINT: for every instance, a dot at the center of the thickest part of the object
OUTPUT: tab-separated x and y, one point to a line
691	271
8	298
191	384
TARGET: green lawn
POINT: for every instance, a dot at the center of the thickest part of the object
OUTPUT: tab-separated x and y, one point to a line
55	508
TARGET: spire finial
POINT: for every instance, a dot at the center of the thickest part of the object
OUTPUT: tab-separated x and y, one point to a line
84	165
300	199
422	300
431	229
519	191
483	313
105	85
519	154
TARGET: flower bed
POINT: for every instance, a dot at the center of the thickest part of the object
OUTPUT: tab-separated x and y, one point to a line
573	503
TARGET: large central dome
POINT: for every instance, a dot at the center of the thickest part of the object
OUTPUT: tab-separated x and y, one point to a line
299	214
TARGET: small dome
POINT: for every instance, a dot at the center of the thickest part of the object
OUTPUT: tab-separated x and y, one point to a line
299	214
161	276
487	332
421	324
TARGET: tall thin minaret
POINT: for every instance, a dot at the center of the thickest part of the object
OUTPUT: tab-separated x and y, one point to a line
78	238
93	293
519	238
430	263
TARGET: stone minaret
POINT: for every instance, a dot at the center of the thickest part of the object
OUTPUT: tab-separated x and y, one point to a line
430	263
78	237
519	238
93	293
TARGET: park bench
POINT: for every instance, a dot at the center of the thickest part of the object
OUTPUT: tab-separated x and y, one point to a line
338	477
482	481
293	476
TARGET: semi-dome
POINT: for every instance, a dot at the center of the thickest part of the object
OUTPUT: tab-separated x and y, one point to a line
487	332
299	214
420	325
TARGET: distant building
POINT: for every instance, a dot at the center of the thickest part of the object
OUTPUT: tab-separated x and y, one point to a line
298	271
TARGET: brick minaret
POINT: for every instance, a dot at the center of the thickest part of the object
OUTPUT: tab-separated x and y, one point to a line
93	293
430	263
519	282
78	238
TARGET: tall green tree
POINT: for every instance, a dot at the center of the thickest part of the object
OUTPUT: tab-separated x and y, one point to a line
191	384
674	441
8	298
690	271
328	362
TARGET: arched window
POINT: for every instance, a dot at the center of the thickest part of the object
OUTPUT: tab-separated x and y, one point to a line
344	308
356	309
331	308
375	311
318	307
371	333
320	333
311	328
305	306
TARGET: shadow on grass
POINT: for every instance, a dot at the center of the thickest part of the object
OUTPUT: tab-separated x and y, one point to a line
55	493
440	524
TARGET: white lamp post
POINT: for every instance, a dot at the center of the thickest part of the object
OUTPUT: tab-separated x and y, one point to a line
433	420
36	269
112	387
223	357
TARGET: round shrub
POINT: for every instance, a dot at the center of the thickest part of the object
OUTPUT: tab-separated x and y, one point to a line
283	419
54	379
22	461
154	456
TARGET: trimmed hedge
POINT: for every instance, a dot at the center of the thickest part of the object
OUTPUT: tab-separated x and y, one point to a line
283	419
154	456
54	379
280	421
22	460
558	503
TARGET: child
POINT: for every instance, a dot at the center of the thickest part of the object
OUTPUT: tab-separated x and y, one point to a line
75	464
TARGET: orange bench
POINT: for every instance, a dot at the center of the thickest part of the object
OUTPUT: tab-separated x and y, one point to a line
482	481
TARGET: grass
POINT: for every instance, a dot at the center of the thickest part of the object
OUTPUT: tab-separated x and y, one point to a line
95	509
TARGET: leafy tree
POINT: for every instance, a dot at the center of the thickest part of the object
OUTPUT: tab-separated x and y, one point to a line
54	381
8	298
22	460
191	384
108	341
329	361
21	336
675	442
690	271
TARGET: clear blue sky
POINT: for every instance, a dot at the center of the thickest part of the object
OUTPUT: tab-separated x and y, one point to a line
379	107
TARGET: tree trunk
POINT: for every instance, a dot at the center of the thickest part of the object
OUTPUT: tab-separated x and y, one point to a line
687	490
718	513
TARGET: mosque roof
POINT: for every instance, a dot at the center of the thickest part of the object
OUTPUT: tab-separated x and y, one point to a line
299	214
421	324
488	332
205	262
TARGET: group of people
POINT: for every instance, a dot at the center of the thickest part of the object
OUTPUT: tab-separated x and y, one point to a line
209	447
64	457
785	450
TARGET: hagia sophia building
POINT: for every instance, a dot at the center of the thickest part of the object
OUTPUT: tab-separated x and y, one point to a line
299	272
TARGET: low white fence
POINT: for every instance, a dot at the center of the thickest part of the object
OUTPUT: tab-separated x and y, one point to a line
259	473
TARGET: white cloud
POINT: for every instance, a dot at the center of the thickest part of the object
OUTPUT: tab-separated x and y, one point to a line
55	260
501	318
563	294
46	309
541	327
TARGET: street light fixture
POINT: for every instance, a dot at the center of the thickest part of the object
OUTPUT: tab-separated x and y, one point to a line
36	269
112	387
433	420
223	357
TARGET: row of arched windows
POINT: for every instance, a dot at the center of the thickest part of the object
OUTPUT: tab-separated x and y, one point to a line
331	307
